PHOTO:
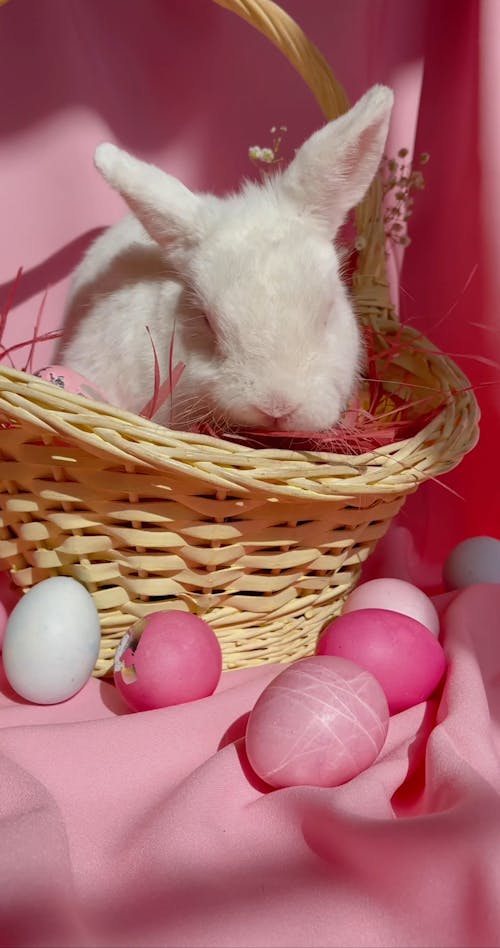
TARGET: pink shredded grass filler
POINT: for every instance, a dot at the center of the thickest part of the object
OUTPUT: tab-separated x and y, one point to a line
374	418
164	390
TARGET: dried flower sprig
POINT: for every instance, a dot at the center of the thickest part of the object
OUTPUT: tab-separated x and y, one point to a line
263	157
399	181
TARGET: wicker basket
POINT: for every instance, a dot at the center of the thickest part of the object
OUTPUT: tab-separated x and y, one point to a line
264	544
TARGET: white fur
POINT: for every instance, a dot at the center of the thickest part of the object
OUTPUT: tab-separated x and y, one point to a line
280	346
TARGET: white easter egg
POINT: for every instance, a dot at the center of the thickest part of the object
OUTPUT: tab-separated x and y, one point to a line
475	560
51	641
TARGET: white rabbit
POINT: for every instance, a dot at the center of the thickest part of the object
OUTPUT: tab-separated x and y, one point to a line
250	284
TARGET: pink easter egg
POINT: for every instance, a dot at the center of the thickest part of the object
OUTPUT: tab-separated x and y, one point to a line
320	722
403	654
167	658
71	381
396	595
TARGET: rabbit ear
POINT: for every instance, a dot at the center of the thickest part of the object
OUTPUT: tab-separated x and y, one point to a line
333	169
166	208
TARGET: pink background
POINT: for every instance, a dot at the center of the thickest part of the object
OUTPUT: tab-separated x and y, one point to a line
132	829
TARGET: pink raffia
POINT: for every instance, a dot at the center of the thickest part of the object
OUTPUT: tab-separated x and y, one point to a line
45	337
163	390
6	353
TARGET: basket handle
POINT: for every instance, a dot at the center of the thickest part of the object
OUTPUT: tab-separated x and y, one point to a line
370	284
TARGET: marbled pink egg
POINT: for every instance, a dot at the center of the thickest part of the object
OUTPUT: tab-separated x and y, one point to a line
70	381
396	595
320	722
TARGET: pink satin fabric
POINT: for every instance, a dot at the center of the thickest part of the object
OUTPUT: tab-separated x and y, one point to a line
122	829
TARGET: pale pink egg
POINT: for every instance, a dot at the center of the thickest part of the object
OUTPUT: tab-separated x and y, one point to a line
396	595
320	722
404	656
70	381
167	658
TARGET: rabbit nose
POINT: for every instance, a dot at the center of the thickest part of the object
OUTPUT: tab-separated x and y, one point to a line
276	407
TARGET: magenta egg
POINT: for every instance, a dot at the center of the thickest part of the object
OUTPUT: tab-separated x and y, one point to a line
404	656
396	595
167	658
320	722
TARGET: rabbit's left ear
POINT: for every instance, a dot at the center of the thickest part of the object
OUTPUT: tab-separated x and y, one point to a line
334	168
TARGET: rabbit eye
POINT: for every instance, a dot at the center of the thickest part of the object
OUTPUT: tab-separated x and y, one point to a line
208	321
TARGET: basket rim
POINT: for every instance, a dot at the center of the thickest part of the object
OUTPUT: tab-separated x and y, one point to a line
125	438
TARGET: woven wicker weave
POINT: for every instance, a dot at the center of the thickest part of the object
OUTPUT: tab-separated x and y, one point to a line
265	544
